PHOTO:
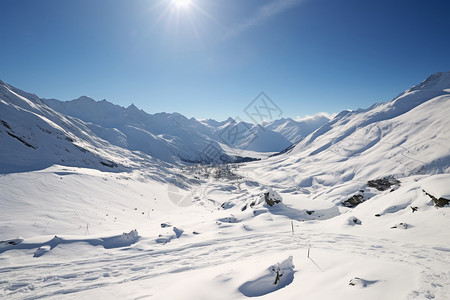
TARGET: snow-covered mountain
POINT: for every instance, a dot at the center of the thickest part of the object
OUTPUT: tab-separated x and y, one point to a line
34	136
295	131
170	137
404	136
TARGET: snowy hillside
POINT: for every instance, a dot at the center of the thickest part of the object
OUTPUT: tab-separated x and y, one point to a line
295	131
358	209
33	136
170	137
405	136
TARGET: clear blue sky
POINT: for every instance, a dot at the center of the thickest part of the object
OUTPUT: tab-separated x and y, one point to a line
210	58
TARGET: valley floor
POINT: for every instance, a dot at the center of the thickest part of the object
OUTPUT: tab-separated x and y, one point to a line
81	233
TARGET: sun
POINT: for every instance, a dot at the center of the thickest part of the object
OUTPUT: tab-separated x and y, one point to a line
182	3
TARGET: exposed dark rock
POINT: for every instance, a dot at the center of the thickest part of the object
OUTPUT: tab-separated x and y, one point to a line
414	208
271	197
377	215
109	163
354	221
400	226
270	201
310	212
355	281
20	140
227	205
240	159
441	202
361	282
288	149
353	201
80	148
4	123
383	184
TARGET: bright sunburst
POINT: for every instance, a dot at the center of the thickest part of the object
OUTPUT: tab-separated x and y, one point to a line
182	3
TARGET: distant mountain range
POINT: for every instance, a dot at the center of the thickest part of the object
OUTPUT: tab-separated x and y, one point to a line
411	129
100	134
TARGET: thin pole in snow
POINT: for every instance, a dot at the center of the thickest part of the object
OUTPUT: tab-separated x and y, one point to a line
292	225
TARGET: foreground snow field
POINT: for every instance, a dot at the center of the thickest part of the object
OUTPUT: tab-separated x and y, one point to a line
89	234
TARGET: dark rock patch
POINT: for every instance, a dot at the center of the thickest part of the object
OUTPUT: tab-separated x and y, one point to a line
441	202
4	123
383	184
109	164
20	140
400	226
354	201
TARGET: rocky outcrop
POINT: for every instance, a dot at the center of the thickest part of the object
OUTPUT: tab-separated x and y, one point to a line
271	197
439	202
354	201
383	184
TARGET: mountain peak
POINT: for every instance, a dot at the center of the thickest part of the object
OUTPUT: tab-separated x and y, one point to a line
132	107
438	81
85	99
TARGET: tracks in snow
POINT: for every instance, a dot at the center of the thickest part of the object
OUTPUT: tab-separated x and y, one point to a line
137	263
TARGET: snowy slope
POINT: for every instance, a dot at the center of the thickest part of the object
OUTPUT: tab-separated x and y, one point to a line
295	131
246	136
89	234
170	137
34	136
407	135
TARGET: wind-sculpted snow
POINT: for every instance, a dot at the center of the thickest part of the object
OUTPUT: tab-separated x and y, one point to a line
125	239
274	278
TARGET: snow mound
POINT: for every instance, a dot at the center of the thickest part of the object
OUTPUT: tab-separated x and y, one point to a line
274	278
44	245
438	186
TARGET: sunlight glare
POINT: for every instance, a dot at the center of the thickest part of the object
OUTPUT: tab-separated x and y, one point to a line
182	3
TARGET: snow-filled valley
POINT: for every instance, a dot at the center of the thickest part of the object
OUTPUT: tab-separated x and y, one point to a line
103	202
